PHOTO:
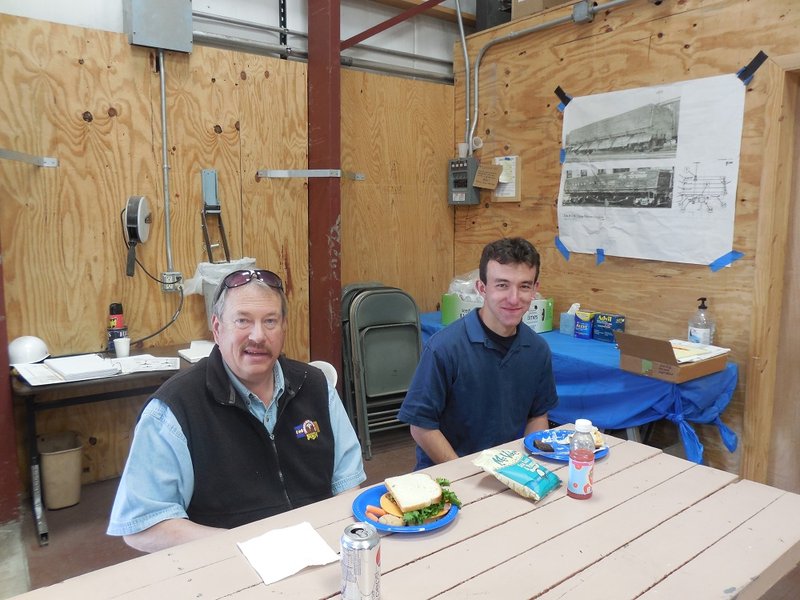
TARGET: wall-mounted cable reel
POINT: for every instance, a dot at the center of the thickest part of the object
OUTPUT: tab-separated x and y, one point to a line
137	219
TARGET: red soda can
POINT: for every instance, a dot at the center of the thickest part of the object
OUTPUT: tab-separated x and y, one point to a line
361	562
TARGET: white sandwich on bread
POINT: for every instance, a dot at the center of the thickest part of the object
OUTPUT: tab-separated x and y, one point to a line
413	491
416	499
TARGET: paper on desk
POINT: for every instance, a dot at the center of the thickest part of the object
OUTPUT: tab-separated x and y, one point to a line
147	362
38	374
283	552
197	349
694	352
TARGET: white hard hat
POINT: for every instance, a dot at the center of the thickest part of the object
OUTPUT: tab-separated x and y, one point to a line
27	349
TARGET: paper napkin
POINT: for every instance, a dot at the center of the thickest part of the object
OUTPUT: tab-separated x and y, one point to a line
283	552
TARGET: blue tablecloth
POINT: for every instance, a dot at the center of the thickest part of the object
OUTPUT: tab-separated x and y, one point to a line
591	385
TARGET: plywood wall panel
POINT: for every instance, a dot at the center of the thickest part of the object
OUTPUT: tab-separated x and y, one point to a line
632	46
274	228
94	101
396	224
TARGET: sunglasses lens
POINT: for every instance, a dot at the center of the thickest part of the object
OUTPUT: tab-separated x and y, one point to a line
237	278
270	278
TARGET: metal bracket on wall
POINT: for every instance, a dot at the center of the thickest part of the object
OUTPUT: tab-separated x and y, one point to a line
39	161
305	173
212	211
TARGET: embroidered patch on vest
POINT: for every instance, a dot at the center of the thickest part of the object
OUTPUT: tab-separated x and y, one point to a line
309	430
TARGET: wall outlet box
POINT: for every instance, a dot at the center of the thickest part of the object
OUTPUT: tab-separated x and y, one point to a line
171	281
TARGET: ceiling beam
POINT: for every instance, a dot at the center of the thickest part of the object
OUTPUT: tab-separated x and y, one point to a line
438	12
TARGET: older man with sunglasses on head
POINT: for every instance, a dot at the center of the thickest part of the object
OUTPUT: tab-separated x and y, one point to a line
243	435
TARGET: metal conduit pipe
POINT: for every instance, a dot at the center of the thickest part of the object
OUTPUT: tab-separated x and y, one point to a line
165	159
592	10
369	65
234	43
466	75
301	34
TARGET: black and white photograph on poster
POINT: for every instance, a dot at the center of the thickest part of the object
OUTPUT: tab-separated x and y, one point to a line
651	173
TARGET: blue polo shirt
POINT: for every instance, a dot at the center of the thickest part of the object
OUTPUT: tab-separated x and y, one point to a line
474	393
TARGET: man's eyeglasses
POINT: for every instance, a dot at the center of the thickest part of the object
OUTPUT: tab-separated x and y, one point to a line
240	278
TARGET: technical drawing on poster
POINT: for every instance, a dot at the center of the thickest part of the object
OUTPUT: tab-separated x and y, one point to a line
651	172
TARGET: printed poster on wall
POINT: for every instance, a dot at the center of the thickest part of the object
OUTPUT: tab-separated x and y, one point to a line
651	172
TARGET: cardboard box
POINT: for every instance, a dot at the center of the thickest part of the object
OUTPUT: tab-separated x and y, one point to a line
540	315
523	8
655	358
605	324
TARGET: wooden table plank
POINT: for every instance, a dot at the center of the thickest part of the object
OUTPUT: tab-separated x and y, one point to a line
748	561
569	535
647	560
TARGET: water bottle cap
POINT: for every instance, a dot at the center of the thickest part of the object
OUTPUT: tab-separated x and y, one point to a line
583	425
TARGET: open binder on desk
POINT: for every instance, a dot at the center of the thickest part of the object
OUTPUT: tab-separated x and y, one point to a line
83	367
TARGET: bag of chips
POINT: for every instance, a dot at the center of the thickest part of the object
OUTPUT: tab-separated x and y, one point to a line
519	472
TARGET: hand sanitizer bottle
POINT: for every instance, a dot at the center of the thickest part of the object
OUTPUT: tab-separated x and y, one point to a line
701	325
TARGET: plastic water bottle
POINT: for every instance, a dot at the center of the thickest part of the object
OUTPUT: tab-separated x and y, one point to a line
581	461
701	325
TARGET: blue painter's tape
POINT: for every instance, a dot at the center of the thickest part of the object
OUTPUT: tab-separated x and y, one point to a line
601	256
746	73
562	248
725	260
564	97
741	74
562	155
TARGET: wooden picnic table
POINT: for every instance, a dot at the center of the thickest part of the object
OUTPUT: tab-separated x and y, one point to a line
657	526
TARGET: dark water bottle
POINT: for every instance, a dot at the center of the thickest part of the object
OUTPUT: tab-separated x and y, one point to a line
116	325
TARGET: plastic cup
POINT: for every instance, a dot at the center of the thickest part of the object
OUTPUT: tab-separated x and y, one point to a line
122	347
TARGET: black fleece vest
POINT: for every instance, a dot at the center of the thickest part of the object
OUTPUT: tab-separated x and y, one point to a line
243	474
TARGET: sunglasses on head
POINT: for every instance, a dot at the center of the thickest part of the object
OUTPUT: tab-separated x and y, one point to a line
245	276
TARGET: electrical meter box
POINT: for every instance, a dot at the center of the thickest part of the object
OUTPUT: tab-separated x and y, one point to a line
165	24
460	175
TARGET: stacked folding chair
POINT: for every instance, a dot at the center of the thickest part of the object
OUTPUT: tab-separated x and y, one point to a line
385	346
349	293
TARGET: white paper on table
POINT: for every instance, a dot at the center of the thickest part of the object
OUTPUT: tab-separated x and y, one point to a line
686	352
146	362
283	552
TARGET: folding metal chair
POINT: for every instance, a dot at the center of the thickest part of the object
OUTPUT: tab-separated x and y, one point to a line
386	346
349	293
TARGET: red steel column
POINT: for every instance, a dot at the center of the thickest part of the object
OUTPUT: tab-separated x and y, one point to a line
9	470
324	193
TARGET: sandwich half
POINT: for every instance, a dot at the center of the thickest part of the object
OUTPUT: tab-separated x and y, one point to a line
417	498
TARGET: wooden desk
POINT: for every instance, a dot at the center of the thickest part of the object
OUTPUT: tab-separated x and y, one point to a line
657	527
45	397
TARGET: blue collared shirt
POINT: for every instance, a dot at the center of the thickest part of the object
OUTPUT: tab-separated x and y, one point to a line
158	480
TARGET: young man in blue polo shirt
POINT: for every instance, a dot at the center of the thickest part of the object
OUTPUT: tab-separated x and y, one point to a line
485	379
